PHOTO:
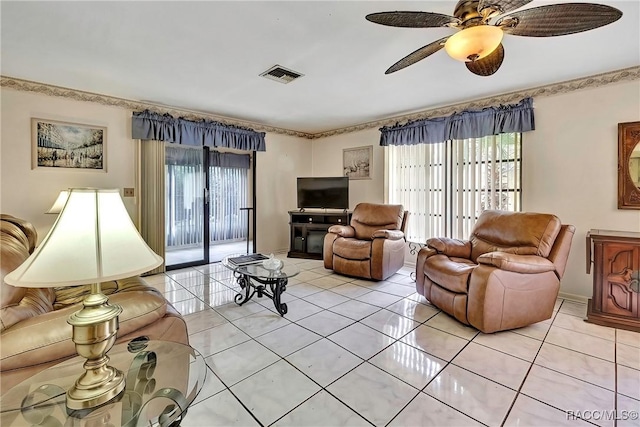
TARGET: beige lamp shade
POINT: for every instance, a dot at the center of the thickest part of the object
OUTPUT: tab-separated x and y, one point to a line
93	240
474	43
57	206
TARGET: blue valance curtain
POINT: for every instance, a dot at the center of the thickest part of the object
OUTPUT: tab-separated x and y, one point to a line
466	124
182	157
229	160
149	125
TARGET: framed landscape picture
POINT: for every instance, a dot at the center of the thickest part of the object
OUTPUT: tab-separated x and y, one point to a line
66	145
357	162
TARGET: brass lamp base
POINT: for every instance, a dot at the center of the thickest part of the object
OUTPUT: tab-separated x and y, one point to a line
93	396
94	332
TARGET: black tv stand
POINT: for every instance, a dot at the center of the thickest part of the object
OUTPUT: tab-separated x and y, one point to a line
308	229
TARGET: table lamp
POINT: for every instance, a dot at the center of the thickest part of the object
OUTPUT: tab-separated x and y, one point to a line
57	206
93	240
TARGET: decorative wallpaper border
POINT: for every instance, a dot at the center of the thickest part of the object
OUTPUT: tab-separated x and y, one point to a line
112	101
627	74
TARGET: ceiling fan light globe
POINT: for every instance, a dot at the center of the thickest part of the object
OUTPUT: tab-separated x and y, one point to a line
474	43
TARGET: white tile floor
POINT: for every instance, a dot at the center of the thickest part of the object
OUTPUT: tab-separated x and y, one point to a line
175	256
358	353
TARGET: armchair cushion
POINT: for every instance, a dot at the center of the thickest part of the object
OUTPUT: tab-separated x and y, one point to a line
342	230
368	218
450	273
514	232
451	247
388	234
517	263
353	249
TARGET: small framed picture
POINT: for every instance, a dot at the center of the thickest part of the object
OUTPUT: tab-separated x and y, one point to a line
357	162
64	145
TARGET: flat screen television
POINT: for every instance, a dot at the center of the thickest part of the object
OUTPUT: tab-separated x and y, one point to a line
325	192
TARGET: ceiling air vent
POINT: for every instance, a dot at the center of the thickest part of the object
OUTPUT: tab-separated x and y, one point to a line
281	74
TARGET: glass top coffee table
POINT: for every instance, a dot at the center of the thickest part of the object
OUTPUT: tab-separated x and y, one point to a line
162	380
262	279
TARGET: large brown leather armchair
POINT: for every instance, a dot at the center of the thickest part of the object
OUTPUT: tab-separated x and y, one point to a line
506	276
372	246
34	333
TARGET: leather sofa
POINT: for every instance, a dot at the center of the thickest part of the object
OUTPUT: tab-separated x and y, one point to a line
506	276
34	333
372	246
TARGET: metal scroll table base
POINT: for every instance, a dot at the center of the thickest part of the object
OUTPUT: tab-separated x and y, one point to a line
269	287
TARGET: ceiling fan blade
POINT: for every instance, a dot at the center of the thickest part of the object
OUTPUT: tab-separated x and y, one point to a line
412	19
417	55
558	19
489	64
501	6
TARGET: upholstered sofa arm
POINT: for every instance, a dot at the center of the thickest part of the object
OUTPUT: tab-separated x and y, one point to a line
388	234
517	263
69	295
47	337
342	230
451	247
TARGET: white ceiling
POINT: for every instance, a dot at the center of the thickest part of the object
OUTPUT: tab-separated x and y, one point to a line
206	56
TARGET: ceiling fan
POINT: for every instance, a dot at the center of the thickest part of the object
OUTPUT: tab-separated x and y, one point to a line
480	26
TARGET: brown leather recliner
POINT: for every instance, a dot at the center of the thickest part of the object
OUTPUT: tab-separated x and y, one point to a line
372	246
34	333
506	276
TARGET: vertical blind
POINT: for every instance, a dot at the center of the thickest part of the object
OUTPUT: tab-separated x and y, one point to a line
229	192
416	177
184	204
447	185
184	201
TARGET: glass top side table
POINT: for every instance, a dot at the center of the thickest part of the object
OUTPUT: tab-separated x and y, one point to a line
162	380
258	279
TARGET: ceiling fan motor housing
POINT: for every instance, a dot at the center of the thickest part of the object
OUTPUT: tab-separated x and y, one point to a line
467	12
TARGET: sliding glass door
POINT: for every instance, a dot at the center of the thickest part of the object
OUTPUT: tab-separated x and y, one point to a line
206	197
229	197
185	205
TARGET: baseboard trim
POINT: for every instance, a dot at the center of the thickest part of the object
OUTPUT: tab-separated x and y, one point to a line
573	297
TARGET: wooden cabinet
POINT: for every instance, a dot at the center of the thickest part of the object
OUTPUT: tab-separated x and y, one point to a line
308	230
616	278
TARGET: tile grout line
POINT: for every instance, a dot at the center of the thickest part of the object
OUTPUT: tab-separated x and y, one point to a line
526	376
395	341
341	376
519	392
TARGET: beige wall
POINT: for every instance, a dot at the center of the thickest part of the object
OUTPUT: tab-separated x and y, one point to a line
569	166
327	161
27	193
286	158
